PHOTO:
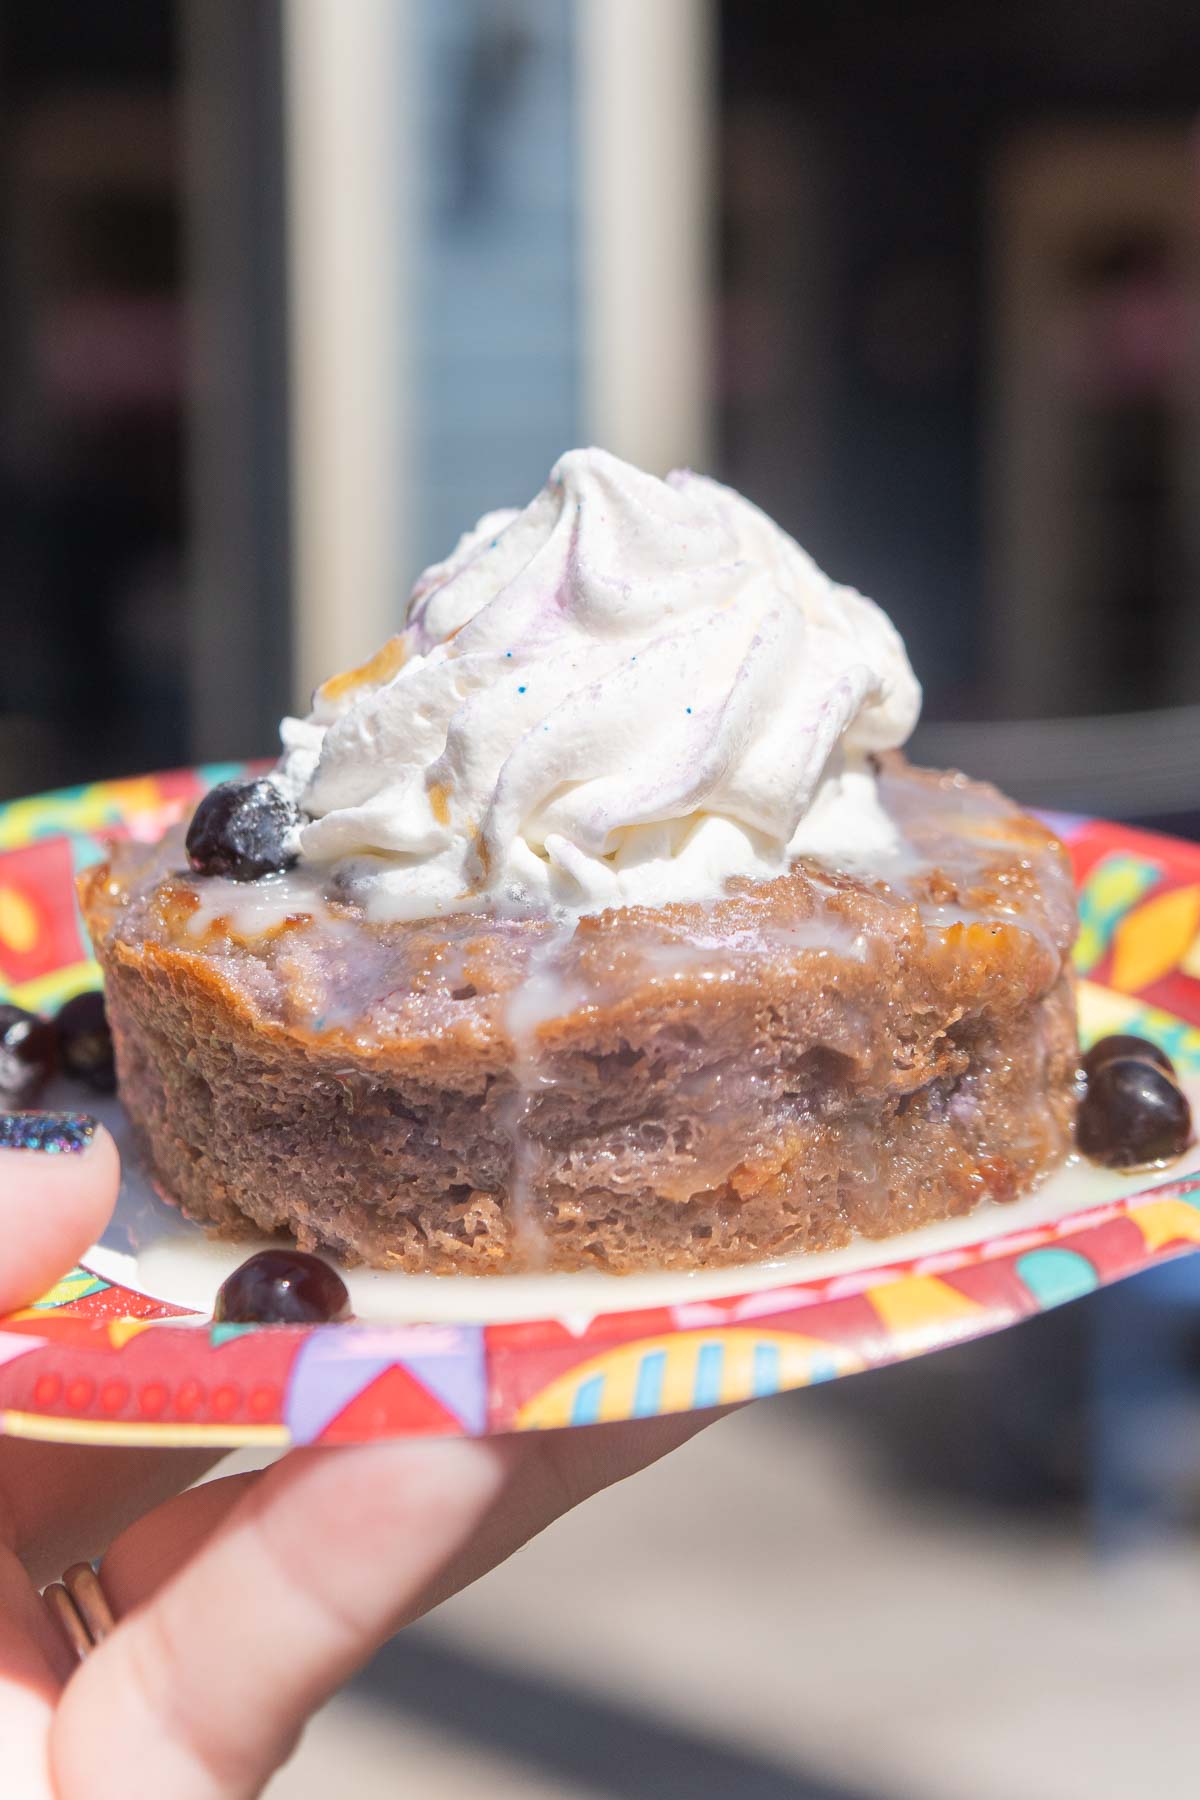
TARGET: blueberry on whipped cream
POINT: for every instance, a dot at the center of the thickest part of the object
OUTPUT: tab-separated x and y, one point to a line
626	694
243	830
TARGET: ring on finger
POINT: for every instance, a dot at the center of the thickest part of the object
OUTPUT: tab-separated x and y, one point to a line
80	1609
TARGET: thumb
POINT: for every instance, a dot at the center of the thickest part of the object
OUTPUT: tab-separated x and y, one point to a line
202	1692
58	1185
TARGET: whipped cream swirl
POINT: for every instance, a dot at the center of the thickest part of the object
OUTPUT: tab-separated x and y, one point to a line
626	694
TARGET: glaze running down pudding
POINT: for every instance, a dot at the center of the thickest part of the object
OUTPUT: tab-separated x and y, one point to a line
611	927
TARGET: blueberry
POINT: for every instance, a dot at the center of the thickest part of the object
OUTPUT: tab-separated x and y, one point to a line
85	1046
282	1287
1123	1043
242	829
28	1054
1133	1113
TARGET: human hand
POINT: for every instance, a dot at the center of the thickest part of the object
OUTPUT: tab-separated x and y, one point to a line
243	1604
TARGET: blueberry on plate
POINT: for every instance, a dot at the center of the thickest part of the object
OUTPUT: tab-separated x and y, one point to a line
28	1054
85	1048
282	1287
1124	1043
243	829
1132	1114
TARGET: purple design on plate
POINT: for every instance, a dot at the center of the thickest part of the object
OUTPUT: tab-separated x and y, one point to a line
1064	825
457	1380
336	1364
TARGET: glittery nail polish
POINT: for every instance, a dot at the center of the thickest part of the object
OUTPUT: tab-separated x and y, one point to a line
53	1133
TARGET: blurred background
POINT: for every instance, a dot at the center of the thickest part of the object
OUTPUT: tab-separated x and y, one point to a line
290	292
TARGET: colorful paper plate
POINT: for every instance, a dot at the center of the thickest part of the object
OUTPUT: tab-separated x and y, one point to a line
123	1350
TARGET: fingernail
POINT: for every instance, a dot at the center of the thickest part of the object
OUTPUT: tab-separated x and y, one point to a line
55	1133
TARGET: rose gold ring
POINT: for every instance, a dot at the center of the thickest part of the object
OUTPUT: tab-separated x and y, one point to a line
79	1607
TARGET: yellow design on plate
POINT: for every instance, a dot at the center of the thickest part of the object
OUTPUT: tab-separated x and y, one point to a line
1154	938
1166	1221
80	810
674	1374
75	1286
58	1430
19	924
121	1330
917	1309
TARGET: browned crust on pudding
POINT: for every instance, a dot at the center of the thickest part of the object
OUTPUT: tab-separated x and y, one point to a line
809	1059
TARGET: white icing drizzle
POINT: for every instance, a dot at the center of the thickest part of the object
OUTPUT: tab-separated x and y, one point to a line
542	996
251	909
